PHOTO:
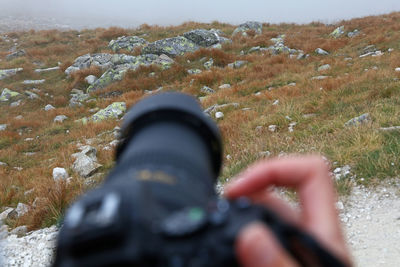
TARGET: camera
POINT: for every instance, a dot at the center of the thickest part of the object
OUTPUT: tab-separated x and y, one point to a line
158	206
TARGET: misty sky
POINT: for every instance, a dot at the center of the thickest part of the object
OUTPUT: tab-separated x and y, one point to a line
172	12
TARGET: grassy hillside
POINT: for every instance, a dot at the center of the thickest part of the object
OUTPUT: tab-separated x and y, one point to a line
270	90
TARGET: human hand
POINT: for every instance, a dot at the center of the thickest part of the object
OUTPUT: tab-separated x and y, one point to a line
256	245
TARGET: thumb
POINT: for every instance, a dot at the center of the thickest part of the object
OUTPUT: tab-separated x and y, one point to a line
256	246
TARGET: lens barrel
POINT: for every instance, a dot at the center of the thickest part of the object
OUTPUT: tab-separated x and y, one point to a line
160	116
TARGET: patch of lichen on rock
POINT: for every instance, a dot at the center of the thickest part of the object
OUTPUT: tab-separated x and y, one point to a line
175	46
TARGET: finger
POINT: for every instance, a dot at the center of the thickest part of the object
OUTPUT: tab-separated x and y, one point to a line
310	177
256	246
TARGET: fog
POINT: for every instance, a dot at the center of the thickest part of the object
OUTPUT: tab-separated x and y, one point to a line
131	13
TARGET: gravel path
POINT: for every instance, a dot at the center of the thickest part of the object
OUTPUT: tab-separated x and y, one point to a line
371	218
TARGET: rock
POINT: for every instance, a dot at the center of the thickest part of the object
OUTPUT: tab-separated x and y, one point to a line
17	54
60	118
338	32
194	71
397	69
217	107
4	214
276	102
321	51
302	56
175	46
392	128
7	94
31	95
59	174
319	77
77	97
3	127
114	110
225	86
47	69
127	42
19	231
353	33
324	67
342	172
202	37
237	64
207	90
90	79
363	119
85	163
15	104
247	26
368	49
101	60
207	65
48	107
21	209
33	81
219	115
291	126
272	128
254	49
123	63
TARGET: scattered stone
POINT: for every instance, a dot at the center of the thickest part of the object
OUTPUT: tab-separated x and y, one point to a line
34	81
47	69
219	115
265	153
7	94
5	213
3	127
3	164
348	59
15	104
77	97
291	126
276	102
21	209
279	46
322	77
338	32
254	49
397	69
17	54
292	84
393	128
225	86
247	26
114	143
9	72
339	205
217	107
194	71
19	231
237	64
85	163
60	118
390	50
207	90
48	107
31	95
59	174
302	56
202	37
208	64
321	51
90	79
324	67
354	33
272	128
363	119
101	60
113	111
172	47
127	42
342	172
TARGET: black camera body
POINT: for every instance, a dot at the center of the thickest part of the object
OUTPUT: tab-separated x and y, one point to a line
158	206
